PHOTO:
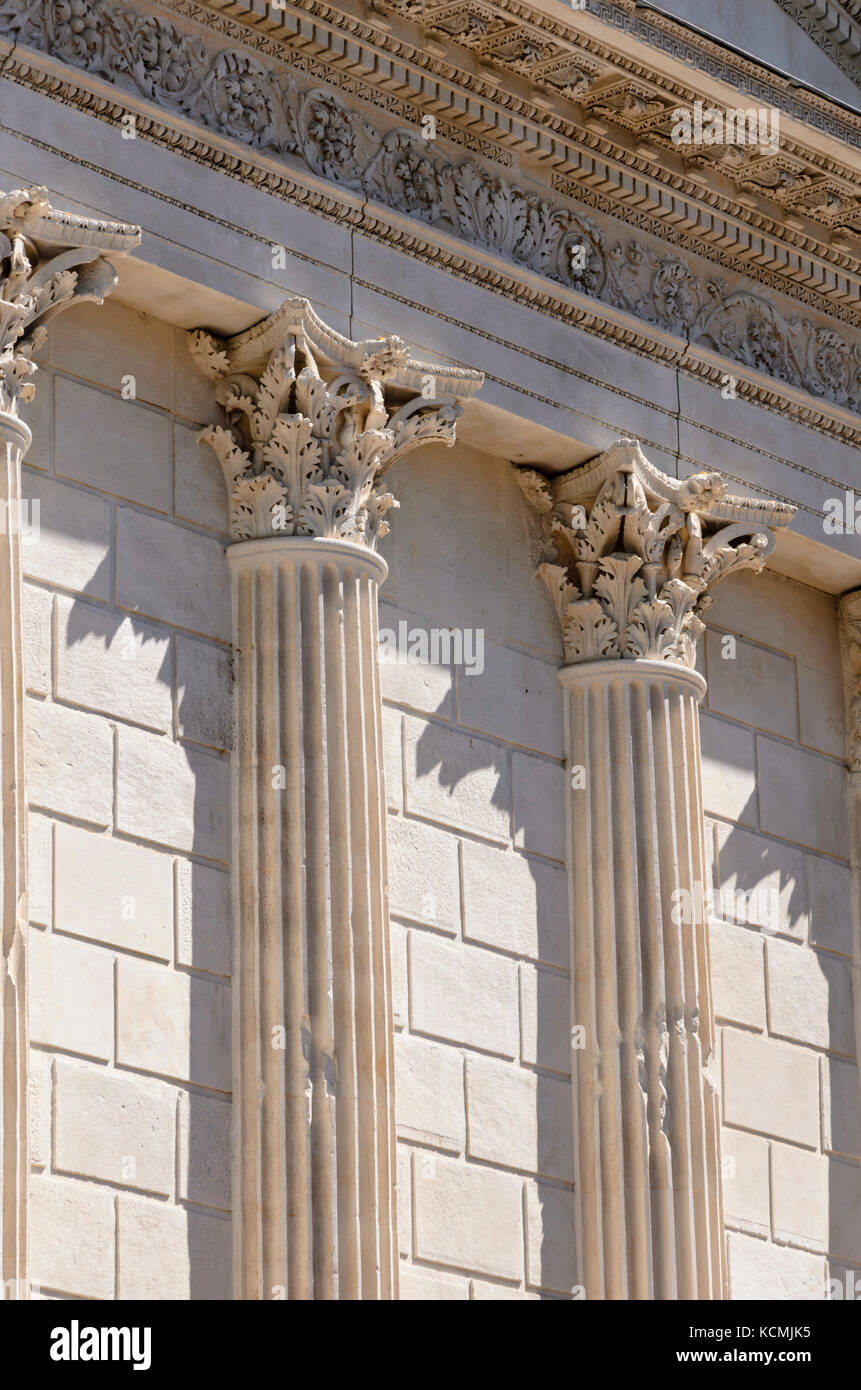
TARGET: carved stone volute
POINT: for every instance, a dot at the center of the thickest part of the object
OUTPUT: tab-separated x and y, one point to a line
316	421
49	260
632	556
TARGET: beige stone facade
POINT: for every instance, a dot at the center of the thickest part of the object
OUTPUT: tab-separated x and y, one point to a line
431	641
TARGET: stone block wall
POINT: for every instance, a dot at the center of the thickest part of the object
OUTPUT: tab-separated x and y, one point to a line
781	941
129	731
128	734
478	897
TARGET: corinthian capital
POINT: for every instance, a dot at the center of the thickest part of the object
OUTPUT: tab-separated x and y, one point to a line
317	420
48	261
632	556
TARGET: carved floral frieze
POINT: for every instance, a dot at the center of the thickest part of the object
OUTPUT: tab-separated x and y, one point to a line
631	556
315	422
48	261
266	108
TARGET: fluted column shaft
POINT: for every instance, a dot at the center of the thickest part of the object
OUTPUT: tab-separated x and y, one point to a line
312	1019
646	1119
14	442
631	558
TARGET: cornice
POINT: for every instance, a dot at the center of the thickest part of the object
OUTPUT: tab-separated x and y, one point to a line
720	206
442	251
834	27
598	173
669	37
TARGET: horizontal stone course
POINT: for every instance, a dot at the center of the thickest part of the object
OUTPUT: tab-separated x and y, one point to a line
171	573
73	550
464	994
114	664
453	1205
173	1025
746	1182
551	1240
810	997
204	1150
166	1252
118	1129
134	459
539	805
786	777
72	1237
514	903
69	756
738	980
172	795
729	776
756	686
761	1271
113	891
424	877
519	1119
770	1087
429	1088
457	779
71	996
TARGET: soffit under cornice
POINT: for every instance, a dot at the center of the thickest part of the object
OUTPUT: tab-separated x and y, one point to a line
835	25
520	236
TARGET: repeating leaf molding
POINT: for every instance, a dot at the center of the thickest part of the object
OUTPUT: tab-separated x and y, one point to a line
48	261
632	556
316	421
231	92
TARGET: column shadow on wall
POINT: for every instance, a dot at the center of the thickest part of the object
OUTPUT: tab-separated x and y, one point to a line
200	935
546	1157
810	1004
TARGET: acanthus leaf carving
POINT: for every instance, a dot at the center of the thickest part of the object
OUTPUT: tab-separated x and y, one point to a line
648	557
48	261
314	420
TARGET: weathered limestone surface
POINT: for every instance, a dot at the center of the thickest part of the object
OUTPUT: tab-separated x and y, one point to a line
48	261
129	724
632	558
315	423
477	974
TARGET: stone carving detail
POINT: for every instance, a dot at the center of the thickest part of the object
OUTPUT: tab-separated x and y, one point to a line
632	556
232	92
316	421
850	642
470	25
834	26
48	261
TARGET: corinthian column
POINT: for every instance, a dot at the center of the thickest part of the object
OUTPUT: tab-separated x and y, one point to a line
632	557
48	261
316	421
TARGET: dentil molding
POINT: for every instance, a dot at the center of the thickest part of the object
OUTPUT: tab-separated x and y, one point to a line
834	26
271	109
